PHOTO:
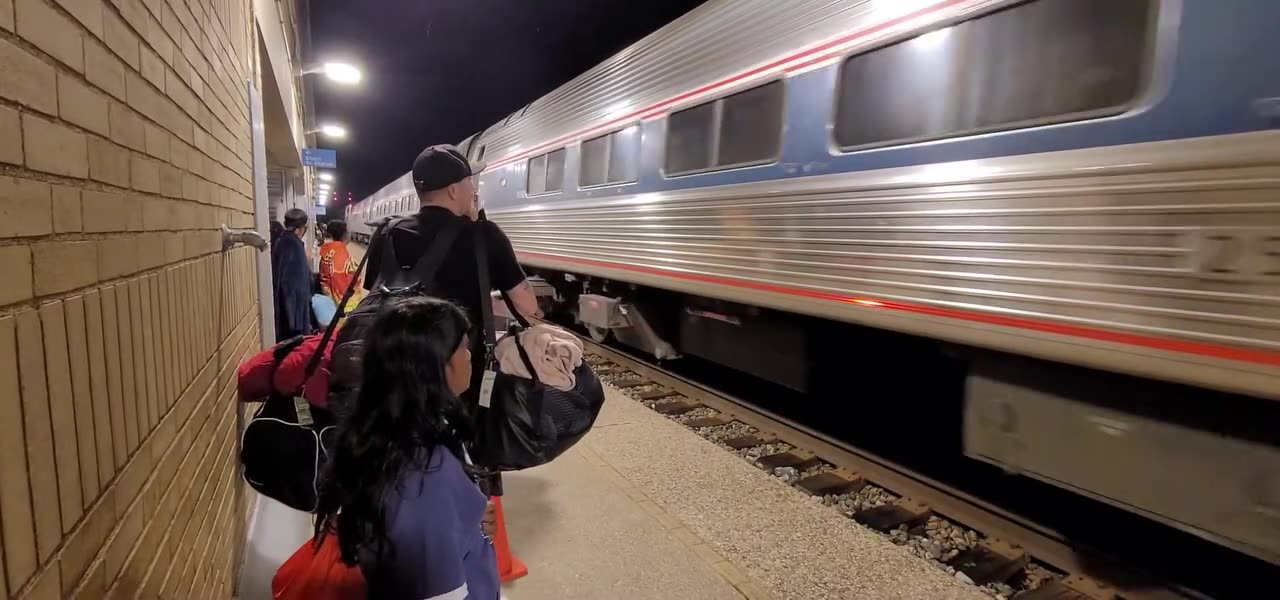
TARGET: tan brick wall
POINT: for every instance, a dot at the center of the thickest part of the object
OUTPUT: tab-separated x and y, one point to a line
124	146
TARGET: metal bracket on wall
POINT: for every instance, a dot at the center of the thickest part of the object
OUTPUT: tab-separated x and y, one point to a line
249	237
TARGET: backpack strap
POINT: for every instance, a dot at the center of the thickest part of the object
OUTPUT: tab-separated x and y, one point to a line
314	363
429	264
390	268
424	271
278	353
486	300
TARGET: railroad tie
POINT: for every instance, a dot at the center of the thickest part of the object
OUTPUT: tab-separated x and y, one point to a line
750	440
903	511
796	458
990	561
838	481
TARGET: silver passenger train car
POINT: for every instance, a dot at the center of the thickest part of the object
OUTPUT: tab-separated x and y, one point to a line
1081	195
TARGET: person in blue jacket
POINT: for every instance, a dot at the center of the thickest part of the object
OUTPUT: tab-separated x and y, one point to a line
398	490
291	277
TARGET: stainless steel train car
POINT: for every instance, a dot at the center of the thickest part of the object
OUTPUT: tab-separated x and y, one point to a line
1088	190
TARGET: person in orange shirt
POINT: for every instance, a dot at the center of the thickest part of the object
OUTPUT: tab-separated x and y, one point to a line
336	267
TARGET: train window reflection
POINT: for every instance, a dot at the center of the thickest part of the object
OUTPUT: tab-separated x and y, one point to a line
739	130
611	159
690	134
546	173
624	155
1029	64
751	126
555	171
595	162
538	175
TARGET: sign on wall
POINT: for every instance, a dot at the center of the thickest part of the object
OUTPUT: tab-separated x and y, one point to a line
320	157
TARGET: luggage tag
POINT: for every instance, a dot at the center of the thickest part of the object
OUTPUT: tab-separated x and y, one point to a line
303	410
486	387
490	375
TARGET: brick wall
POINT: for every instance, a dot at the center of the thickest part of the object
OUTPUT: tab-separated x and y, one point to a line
124	146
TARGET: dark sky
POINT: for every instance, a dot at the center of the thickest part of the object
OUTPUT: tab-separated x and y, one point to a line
437	71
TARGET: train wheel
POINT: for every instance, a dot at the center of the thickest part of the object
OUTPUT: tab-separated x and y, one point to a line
599	334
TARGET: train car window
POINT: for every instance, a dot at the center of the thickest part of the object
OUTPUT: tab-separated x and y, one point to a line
751	126
555	170
1032	63
594	169
538	175
690	138
624	155
611	159
546	173
738	130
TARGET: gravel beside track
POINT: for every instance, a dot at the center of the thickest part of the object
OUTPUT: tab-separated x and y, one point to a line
785	539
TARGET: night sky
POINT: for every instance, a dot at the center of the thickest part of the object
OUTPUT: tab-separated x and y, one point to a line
437	71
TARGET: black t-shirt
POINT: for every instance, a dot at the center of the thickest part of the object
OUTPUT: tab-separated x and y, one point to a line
456	280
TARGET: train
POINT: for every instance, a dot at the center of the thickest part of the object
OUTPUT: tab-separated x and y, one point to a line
1081	197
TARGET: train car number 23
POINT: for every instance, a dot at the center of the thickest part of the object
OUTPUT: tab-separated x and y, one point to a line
1246	253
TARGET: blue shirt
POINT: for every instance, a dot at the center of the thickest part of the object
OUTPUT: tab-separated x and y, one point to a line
434	525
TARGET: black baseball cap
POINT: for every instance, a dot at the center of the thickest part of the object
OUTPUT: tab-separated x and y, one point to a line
441	166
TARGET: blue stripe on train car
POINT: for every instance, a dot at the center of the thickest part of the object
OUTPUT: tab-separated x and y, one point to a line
1209	87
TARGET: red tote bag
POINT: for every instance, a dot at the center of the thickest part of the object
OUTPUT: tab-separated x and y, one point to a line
318	574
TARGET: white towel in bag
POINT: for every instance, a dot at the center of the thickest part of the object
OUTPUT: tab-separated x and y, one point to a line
554	353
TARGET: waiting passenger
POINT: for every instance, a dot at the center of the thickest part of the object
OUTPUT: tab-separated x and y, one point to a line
445	182
291	274
398	490
337	270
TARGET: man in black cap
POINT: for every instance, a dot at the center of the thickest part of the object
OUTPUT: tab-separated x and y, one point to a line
445	181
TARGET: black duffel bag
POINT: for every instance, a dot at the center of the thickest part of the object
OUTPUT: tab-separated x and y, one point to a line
523	423
528	423
286	444
283	448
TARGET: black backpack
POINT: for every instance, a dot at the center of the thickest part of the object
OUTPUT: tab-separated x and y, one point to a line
345	364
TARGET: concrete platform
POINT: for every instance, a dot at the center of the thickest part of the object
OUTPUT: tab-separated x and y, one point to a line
644	508
583	536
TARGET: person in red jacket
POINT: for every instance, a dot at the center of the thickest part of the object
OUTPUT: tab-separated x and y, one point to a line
263	373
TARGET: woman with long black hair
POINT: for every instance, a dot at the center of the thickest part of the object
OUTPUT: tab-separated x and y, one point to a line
398	490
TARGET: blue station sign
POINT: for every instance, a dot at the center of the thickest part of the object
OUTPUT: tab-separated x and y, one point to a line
320	157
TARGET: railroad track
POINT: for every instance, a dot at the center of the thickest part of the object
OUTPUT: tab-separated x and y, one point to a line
1002	553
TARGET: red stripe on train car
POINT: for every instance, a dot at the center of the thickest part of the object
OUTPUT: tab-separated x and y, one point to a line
1234	353
660	107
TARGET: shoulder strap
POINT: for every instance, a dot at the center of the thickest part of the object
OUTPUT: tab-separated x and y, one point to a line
424	271
278	353
390	268
486	300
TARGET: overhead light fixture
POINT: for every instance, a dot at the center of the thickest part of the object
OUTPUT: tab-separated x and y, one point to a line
334	131
325	176
343	73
